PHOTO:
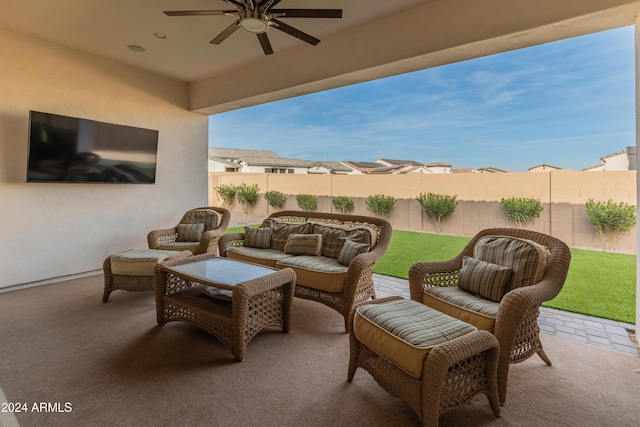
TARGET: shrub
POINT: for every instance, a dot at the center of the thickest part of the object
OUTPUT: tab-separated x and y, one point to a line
521	210
380	205
247	195
275	198
342	204
611	220
307	202
226	193
437	207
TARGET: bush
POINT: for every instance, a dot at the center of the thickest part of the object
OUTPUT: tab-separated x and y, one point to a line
247	195
611	220
275	198
342	204
521	210
437	207
307	202
380	205
226	193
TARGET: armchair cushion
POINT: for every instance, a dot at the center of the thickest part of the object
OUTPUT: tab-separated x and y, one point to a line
303	244
257	237
526	259
190	232
210	218
350	250
483	278
462	305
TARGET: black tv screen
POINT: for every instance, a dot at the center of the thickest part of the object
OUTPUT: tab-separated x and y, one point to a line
68	149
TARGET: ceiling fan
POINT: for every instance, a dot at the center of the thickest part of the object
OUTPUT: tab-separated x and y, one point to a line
257	16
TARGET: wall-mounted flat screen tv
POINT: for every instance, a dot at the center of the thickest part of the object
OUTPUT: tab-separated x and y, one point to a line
68	149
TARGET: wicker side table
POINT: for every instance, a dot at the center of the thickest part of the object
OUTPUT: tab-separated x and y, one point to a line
133	270
232	300
452	372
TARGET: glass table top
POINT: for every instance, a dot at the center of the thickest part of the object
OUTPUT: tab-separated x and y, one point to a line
222	270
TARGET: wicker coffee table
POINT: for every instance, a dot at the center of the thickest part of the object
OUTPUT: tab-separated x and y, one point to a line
232	300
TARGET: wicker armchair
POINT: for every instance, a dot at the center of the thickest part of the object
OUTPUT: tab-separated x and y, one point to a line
515	325
198	231
358	285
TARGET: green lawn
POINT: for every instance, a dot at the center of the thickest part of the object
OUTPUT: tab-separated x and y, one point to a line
600	284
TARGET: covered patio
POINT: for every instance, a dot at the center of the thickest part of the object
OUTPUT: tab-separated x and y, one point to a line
111	362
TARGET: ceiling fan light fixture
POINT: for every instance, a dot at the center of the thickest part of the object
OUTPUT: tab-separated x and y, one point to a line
254	25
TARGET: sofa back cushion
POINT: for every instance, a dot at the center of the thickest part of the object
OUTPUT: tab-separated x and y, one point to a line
483	278
526	259
281	231
334	236
303	244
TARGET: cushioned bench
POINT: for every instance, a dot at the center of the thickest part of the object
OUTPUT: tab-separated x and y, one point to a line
432	361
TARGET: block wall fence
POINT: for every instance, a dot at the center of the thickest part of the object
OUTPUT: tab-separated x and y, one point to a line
563	195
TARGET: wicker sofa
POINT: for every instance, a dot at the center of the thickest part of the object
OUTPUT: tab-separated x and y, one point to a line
332	254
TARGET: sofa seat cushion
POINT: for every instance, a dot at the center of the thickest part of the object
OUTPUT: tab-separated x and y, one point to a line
462	305
405	331
180	246
266	257
317	272
526	259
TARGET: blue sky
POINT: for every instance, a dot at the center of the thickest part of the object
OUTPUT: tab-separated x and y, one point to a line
566	104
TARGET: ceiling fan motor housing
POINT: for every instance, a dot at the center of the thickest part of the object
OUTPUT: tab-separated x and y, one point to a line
254	21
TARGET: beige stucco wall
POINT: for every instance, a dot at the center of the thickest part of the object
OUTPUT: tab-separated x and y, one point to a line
563	195
53	230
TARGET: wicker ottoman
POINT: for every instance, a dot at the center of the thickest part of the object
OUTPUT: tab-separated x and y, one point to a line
432	361
133	270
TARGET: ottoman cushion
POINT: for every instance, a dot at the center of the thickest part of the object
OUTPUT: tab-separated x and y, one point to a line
138	262
404	331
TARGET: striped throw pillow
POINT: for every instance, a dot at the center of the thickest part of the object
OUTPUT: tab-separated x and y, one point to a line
257	237
303	244
189	232
483	278
350	250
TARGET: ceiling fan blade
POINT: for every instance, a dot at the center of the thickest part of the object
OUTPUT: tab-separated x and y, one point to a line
264	42
295	32
267	4
199	12
226	33
307	13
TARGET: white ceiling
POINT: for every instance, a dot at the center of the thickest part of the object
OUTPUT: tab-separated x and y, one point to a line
106	27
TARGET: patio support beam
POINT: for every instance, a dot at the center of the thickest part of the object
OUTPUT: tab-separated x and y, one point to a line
437	33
